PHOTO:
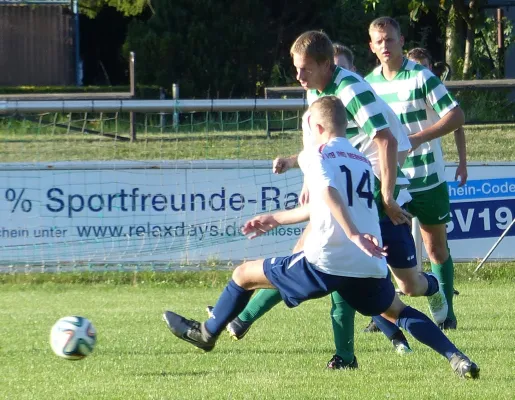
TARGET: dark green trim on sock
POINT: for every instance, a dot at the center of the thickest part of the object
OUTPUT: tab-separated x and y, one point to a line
262	302
445	274
342	317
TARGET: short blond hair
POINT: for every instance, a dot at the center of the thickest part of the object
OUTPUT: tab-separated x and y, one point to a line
315	45
382	22
332	114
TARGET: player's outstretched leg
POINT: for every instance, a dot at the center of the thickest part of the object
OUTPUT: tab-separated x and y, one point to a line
425	331
204	335
262	302
190	331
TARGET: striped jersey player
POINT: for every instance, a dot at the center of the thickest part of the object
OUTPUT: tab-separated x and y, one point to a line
367	114
420	100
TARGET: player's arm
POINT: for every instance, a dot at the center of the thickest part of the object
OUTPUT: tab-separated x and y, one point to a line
450	122
443	103
461	146
361	103
387	154
366	242
263	223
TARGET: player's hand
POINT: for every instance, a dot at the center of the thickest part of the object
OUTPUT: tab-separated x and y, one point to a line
396	213
369	245
259	225
281	165
461	172
304	195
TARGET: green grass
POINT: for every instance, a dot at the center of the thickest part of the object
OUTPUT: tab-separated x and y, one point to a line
283	357
484	143
28	141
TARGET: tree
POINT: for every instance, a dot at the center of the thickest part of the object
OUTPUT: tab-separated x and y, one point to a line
129	8
228	48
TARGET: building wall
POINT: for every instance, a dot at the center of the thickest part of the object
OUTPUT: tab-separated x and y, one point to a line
36	45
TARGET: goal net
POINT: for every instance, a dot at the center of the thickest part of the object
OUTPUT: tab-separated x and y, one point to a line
77	193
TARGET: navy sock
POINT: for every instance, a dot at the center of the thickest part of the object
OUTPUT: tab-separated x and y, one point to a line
231	302
425	331
387	327
432	284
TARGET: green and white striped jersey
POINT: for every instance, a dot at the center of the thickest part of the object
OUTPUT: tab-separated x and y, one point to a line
367	114
419	99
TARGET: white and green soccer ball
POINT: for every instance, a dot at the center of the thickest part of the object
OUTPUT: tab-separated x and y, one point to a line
73	338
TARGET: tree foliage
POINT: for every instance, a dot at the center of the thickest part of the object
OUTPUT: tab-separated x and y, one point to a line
225	48
127	7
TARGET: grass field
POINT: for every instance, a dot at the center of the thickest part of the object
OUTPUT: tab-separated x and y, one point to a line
42	142
283	356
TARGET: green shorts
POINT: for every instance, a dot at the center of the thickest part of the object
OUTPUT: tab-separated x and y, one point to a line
432	206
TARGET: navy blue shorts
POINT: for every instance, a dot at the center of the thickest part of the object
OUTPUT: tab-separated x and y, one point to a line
297	280
401	249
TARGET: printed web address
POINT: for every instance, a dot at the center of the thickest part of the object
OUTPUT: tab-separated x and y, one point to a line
181	230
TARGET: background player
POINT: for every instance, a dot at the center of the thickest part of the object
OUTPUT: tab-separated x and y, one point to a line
423	57
428	111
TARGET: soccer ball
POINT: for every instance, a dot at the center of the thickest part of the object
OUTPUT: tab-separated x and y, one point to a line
73	337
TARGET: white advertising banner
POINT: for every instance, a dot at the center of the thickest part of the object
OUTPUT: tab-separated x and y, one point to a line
184	212
133	212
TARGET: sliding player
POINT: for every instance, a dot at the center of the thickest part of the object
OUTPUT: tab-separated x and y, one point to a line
370	131
338	255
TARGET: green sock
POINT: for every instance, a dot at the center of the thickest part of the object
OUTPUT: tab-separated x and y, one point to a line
445	274
263	301
342	317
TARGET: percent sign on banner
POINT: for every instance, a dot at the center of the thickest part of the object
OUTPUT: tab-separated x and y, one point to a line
13	197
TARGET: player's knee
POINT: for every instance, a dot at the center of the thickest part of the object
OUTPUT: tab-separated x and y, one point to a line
438	254
240	275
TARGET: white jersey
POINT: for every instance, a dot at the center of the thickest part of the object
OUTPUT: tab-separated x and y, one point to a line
340	166
308	141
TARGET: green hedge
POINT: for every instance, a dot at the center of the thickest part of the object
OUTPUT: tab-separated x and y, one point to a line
486	105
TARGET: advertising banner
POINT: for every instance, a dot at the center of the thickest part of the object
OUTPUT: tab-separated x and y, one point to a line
184	212
481	211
